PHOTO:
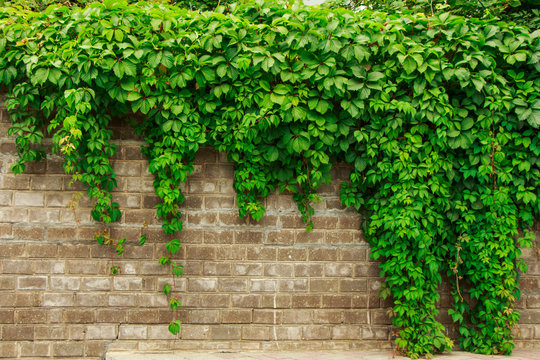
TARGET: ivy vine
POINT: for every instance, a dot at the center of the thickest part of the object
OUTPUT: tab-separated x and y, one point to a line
438	117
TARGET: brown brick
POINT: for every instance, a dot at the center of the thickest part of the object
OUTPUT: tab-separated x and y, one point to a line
5	198
233	285
17	266
27	299
353	285
6	231
287	333
225	333
6	316
346	332
355	317
336	301
32	283
204	316
127	283
79	316
61	233
225	171
249	237
96	332
267	316
195	332
96	283
111	315
19	182
218	237
48	183
276	301
214	300
306	301
327	316
317	332
28	199
11	250
308	270
27	233
323	254
201	252
73	251
7	282
247	269
132	332
127	168
339	237
202	285
337	269
245	301
219	202
290	221
323	285
216	268
260	253
65	283
51	216
263	285
58	299
255	333
231	219
31	316
367	270
287	254
68	348
50	332
34	349
41	250
202	218
17	332
283	237
313	237
142	317
293	285
279	270
236	316
8	349
352	255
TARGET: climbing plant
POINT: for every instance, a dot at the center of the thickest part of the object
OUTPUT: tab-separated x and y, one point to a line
438	117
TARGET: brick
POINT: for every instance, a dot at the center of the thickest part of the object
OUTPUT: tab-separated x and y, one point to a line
260	253
202	218
278	270
249	237
49	267
225	333
5	198
6	231
87	267
287	333
352	285
336	301
28	233
68	348
375	333
79	316
306	301
50	216
283	237
41	250
367	270
327	316
17	332
218	237
323	254
267	316
308	270
28	299
236	317
50	332
28	199
313	237
19	182
346	332
201	252
214	300
161	332
245	301
337	269
7	282
130	201
68	251
11	250
122	300
8	349
61	233
13	215
31	316
255	333
7	316
204	316
58	299
352	254
224	171
195	332
247	269
17	266
111	315
339	237
263	285
99	332
127	283
292	254
132	332
34	349
219	202
293	285
96	283
233	285
355	317
205	186
276	301
202	285
127	168
315	332
216	268
48	183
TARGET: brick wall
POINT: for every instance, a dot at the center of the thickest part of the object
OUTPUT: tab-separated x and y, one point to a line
267	285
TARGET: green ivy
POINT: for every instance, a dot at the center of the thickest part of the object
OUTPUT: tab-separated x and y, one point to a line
438	117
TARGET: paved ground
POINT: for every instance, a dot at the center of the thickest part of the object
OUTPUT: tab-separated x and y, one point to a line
305	355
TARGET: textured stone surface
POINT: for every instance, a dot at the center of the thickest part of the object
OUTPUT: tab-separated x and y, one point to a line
246	285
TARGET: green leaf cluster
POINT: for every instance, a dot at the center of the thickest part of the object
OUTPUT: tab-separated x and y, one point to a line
438	117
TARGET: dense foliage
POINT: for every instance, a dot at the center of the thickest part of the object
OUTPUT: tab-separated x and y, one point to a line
438	117
523	12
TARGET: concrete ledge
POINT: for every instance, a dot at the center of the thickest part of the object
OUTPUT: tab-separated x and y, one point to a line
304	355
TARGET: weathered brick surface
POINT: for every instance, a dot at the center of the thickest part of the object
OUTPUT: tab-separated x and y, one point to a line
252	286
